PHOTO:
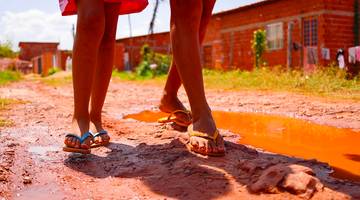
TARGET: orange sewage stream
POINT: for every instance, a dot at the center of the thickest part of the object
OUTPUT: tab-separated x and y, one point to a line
336	146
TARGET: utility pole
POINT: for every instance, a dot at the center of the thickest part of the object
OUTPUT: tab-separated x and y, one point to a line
73	31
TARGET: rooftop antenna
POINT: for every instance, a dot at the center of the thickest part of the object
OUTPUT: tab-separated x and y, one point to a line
130	26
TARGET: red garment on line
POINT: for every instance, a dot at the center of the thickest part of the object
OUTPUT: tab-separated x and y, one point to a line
68	7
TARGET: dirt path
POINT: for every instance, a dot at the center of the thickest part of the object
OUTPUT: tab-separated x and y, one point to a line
148	161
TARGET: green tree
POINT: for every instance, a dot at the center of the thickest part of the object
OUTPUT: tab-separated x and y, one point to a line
6	50
258	45
152	64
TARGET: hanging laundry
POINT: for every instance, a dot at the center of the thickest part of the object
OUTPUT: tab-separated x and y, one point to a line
312	55
340	58
352	55
357	53
325	53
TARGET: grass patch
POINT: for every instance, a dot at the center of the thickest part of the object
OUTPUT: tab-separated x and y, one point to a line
6	123
132	76
9	76
58	79
329	82
4	105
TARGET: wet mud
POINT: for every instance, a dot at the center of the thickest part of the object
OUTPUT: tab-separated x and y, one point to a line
289	136
146	160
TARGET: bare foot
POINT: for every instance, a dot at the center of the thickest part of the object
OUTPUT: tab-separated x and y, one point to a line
79	127
96	127
170	103
205	124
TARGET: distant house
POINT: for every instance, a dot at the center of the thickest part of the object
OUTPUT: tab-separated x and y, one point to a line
29	50
300	33
127	51
44	56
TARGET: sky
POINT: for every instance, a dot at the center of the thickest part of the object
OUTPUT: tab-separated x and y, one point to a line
41	21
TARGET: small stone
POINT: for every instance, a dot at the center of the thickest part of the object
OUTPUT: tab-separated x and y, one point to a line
269	179
27	180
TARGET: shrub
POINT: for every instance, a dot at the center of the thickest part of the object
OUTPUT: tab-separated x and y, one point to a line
6	51
53	70
258	45
9	76
152	64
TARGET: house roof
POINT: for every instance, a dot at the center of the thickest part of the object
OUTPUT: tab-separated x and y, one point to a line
43	43
246	7
139	36
235	10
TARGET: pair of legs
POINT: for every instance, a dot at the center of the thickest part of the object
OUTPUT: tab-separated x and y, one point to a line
189	19
93	55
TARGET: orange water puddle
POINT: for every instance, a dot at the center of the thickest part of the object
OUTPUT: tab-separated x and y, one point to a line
293	137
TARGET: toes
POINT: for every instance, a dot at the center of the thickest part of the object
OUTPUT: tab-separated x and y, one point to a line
194	143
209	147
98	140
202	146
212	147
72	142
221	145
76	143
85	144
66	141
106	138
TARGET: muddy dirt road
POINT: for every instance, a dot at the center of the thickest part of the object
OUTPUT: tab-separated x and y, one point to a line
149	161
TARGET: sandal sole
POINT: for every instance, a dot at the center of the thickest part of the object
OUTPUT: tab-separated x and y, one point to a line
76	150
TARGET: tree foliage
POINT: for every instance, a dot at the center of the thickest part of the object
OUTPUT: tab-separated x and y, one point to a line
152	64
6	50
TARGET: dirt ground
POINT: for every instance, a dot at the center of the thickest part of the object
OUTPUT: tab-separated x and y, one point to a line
149	161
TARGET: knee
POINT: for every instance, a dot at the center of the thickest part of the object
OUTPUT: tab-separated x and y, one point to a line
186	17
92	22
182	26
108	39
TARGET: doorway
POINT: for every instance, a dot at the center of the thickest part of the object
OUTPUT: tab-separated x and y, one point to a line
310	42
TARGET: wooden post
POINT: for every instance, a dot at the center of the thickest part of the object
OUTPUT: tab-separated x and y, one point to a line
289	45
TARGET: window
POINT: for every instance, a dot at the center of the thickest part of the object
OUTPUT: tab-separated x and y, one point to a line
310	32
275	36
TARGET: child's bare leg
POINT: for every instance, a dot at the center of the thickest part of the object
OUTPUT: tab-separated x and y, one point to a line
169	101
103	69
186	17
89	31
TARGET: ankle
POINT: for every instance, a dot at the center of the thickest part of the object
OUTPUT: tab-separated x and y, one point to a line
201	113
169	95
95	118
81	124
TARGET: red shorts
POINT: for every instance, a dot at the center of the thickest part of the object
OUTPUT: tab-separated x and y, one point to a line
68	7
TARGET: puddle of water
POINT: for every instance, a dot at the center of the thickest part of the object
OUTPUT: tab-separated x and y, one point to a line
42	192
336	146
42	151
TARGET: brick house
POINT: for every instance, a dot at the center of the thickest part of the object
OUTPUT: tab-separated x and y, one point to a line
44	56
300	33
29	50
129	49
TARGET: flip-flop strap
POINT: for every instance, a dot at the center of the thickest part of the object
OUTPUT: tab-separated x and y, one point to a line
205	136
179	111
100	133
81	139
86	136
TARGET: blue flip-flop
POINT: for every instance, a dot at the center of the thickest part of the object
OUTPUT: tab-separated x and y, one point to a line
81	139
98	134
